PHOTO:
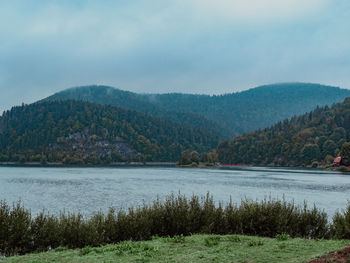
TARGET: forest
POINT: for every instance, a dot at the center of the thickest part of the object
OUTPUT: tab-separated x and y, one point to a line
103	125
77	132
140	103
311	139
226	115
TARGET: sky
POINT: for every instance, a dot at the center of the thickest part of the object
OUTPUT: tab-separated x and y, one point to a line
161	46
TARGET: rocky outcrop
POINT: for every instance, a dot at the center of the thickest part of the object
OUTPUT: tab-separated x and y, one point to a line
87	144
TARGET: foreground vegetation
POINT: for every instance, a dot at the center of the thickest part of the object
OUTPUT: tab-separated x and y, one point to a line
22	233
196	248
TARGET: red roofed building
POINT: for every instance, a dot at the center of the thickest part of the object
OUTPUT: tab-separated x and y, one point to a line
337	161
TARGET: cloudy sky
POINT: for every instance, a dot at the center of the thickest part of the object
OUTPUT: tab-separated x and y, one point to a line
192	46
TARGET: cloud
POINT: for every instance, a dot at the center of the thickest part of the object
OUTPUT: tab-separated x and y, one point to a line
259	11
200	46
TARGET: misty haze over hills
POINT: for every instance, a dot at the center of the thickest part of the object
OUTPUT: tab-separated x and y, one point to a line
199	46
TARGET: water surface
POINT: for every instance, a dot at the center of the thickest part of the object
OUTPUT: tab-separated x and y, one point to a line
92	189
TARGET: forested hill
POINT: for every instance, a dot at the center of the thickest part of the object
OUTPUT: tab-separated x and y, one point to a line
256	108
226	115
140	103
83	132
313	138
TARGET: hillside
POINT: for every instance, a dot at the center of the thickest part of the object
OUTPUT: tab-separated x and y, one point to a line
225	115
140	103
256	108
315	137
83	132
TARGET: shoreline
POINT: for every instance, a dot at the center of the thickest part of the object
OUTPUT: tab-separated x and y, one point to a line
59	164
343	169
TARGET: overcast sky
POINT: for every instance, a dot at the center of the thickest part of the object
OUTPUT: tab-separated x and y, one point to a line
192	46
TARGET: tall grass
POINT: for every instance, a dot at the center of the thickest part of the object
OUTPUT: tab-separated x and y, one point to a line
21	233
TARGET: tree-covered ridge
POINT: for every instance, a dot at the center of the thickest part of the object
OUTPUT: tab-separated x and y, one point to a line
140	103
256	108
83	132
225	115
313	137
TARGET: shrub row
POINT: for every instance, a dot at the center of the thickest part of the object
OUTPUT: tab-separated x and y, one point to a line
21	233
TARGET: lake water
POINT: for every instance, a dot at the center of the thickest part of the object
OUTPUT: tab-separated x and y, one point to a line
92	189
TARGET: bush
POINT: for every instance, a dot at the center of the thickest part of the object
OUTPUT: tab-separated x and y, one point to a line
341	224
175	218
282	237
271	217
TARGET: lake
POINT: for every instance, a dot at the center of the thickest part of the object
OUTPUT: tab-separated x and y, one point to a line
92	189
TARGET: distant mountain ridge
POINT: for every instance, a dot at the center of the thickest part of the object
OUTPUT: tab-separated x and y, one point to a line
226	115
255	108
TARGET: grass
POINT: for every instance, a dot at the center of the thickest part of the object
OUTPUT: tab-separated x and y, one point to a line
195	248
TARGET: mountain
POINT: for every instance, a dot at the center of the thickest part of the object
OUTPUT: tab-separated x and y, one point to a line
226	115
84	132
312	138
256	108
140	103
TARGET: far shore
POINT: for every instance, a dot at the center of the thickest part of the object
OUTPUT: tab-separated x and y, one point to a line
60	164
160	164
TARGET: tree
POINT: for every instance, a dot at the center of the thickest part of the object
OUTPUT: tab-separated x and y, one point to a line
329	147
345	153
194	157
310	152
210	157
185	158
188	157
43	159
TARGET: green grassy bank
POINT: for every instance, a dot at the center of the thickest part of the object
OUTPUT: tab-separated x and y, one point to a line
196	248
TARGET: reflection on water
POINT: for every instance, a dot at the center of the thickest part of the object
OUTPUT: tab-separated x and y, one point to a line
92	189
